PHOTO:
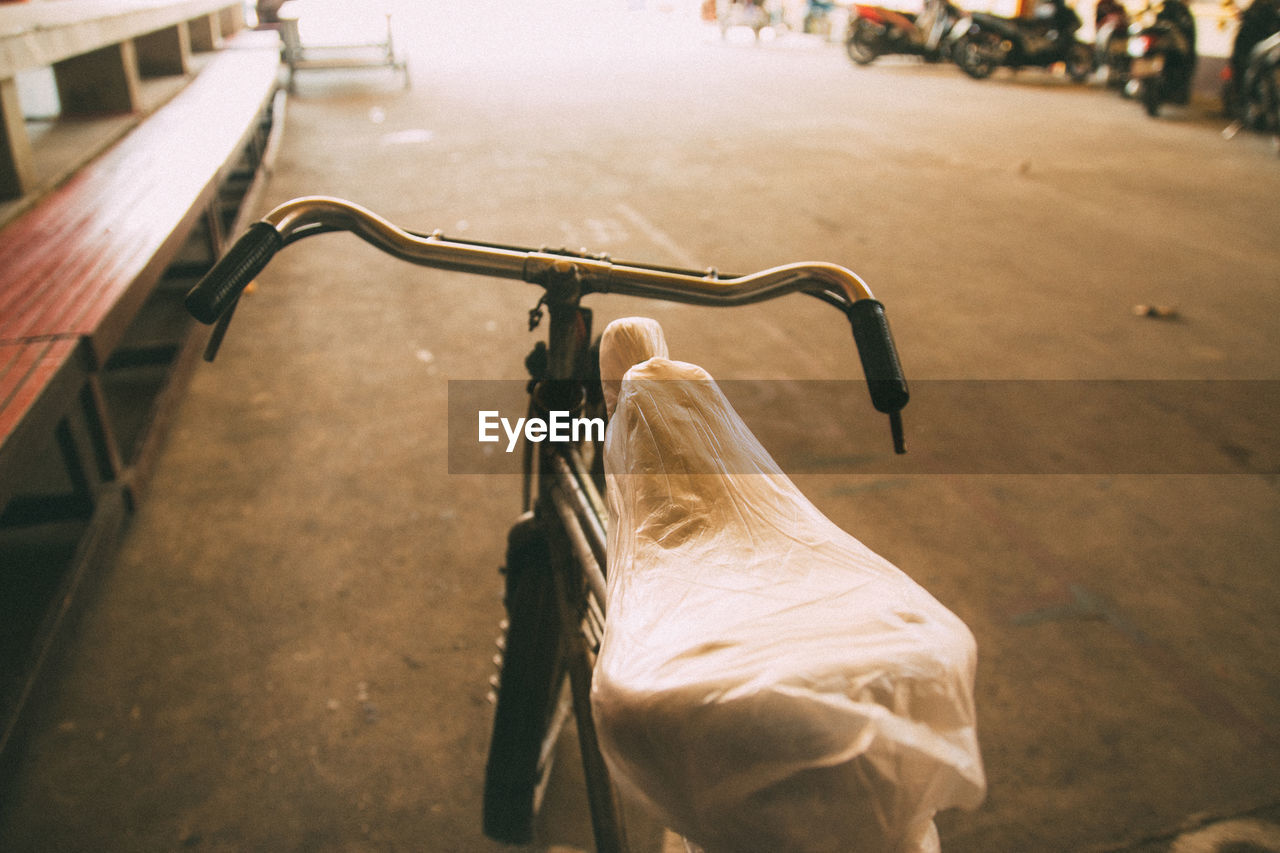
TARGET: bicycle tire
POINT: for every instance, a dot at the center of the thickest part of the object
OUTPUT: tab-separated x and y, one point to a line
1080	62
530	688
863	44
973	56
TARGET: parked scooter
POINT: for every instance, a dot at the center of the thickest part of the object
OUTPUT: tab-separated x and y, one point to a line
817	17
1260	88
751	14
1111	41
1249	84
1163	58
985	42
875	31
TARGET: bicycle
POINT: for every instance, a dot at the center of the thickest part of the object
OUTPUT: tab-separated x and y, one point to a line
555	577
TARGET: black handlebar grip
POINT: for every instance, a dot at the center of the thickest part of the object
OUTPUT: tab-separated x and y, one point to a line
220	287
885	381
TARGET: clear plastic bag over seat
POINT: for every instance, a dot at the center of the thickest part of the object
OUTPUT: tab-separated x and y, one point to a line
766	682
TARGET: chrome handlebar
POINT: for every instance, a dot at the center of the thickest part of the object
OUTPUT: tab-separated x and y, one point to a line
213	300
598	273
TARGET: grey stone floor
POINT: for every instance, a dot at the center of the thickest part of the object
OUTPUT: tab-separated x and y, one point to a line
292	650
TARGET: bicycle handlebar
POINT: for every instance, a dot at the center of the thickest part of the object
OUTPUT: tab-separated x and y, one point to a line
216	294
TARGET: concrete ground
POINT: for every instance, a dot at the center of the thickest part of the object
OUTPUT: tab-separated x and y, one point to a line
292	650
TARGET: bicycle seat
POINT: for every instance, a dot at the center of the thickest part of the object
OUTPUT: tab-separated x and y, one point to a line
765	681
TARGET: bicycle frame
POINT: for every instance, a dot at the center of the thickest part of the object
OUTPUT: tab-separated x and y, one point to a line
564	509
555	577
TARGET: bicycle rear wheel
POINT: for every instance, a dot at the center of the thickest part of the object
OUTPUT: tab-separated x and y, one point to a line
531	706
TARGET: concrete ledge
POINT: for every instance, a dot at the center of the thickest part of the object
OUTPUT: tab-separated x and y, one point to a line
99	51
40	34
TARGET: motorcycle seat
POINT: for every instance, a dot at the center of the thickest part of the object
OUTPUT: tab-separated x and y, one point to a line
987	19
1020	27
765	680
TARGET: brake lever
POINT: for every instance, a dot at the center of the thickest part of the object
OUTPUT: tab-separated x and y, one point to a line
895	429
220	331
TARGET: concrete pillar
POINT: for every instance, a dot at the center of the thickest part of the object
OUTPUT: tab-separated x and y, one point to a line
101	81
205	33
17	170
231	19
164	52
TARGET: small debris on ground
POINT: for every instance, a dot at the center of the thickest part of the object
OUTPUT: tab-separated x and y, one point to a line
1159	312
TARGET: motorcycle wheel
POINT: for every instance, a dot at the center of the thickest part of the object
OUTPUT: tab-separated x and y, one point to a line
1080	62
1262	110
863	45
973	55
1272	118
1151	96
